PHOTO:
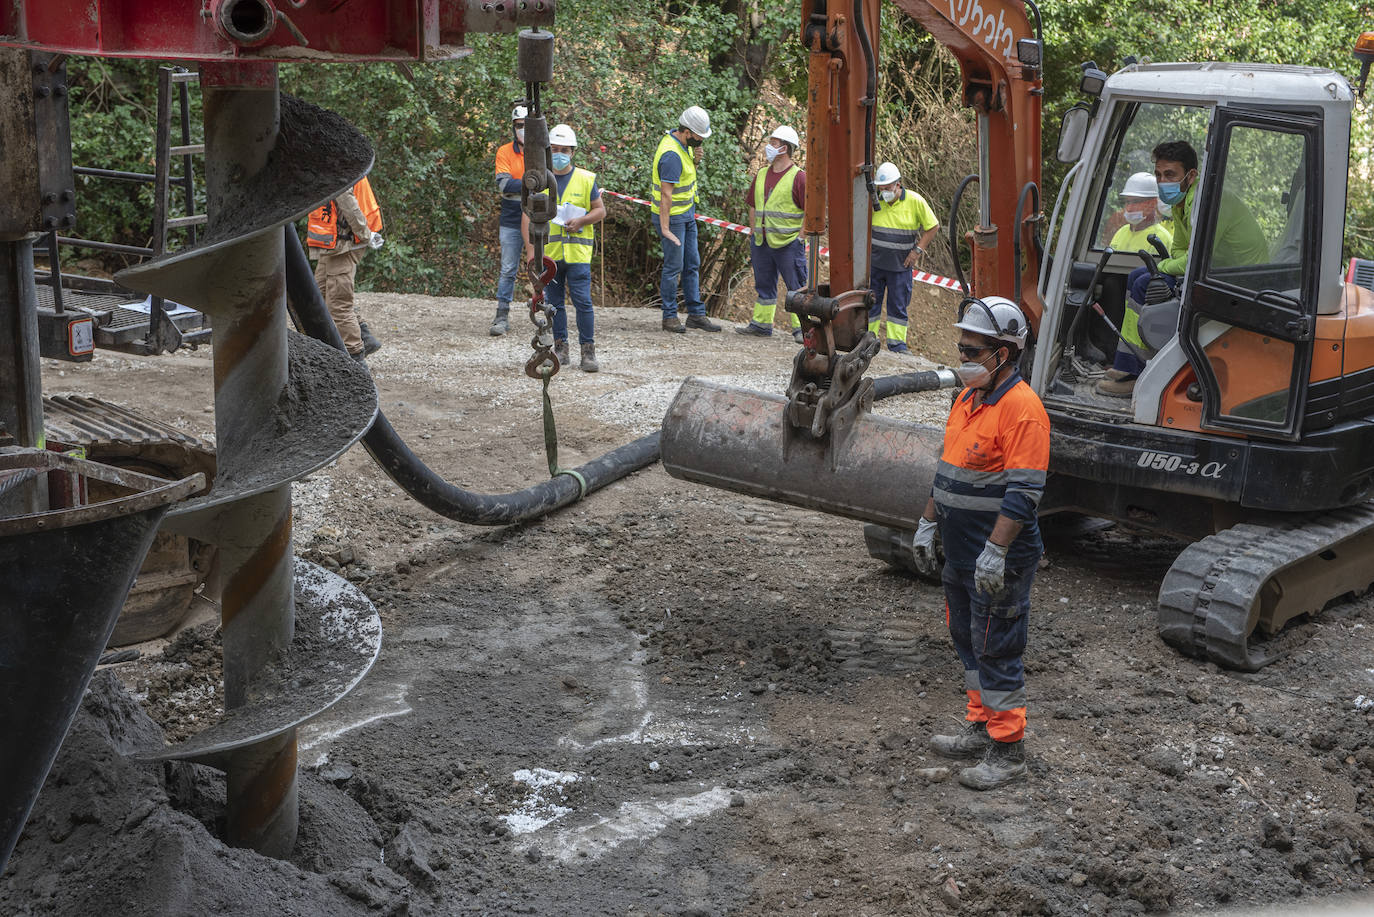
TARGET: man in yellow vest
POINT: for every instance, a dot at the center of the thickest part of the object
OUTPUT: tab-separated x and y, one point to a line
903	227
1140	210
570	246
777	205
673	197
338	235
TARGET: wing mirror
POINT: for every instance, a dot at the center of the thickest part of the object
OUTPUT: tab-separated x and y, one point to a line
1073	132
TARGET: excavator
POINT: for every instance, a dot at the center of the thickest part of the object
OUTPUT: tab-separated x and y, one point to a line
1249	434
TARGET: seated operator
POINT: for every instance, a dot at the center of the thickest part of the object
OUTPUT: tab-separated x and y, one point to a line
1140	210
1238	239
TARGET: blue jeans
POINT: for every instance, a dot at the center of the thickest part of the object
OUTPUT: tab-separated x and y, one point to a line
511	247
990	632
680	261
577	279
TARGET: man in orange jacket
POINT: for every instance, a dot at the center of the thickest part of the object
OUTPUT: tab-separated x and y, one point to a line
338	235
987	489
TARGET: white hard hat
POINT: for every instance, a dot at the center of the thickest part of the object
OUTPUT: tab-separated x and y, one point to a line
995	317
1141	184
518	113
786	135
887	174
696	120
562	135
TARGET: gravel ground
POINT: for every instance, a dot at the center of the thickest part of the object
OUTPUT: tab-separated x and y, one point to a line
671	700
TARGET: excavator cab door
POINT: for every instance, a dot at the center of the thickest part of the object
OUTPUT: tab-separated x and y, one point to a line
1249	311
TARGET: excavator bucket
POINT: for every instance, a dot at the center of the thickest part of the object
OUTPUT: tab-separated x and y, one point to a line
64	574
873	469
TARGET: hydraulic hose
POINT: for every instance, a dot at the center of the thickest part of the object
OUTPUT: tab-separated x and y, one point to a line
416	478
422	483
870	101
954	233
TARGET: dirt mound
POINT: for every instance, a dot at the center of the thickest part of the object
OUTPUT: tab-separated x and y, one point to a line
111	835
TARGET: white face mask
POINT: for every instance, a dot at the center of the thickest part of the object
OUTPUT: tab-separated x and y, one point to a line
977	375
973	375
771	152
889	195
1163	209
520	134
1134	217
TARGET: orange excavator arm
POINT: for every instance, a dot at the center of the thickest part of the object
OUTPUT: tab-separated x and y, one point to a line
999	56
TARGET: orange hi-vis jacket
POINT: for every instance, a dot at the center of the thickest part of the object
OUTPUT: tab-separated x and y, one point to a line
322	226
995	460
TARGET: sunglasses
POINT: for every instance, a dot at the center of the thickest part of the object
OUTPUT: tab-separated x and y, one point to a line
969	351
519	125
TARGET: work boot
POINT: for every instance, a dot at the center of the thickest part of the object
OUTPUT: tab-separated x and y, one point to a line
560	350
673	325
970	742
501	324
1116	388
898	347
1115	375
701	323
370	343
589	364
754	329
798	336
360	357
1004	763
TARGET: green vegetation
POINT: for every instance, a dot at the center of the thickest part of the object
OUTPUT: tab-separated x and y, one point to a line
626	68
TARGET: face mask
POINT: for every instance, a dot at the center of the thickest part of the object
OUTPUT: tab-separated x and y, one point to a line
1170	192
693	142
890	195
976	375
520	134
771	152
561	161
1134	217
1163	209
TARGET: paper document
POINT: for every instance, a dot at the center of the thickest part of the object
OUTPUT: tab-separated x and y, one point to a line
566	212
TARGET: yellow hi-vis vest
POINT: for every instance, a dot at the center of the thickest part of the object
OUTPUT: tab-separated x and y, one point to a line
897	227
778	219
685	189
574	247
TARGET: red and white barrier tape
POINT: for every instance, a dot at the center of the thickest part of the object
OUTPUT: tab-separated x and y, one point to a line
934	280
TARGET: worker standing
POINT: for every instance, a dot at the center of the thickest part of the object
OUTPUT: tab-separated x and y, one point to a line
673	198
1140	210
510	175
987	486
571	236
338	235
903	227
777	206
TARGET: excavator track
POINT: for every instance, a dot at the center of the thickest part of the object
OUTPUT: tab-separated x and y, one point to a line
1249	578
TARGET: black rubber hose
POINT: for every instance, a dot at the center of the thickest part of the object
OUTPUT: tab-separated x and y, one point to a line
1029	188
909	383
953	231
416	478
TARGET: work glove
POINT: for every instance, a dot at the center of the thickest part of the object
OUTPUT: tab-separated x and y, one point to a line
923	546
991	568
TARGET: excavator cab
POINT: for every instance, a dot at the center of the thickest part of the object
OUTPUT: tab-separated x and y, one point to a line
1231	348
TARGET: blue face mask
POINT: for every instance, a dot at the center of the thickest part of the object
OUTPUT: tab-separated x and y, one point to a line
1170	192
561	161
